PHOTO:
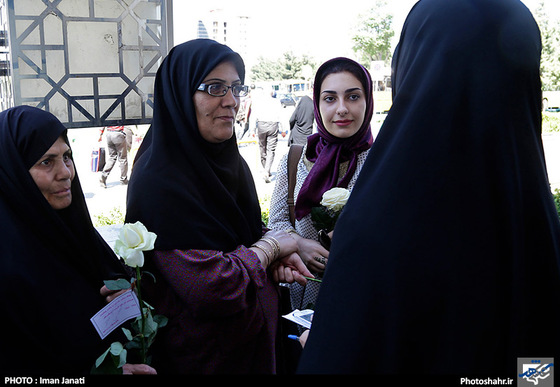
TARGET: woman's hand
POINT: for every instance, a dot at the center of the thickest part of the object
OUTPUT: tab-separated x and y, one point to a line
267	253
110	295
312	254
285	241
138	369
290	269
303	337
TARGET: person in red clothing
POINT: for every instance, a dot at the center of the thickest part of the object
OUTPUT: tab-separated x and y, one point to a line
217	266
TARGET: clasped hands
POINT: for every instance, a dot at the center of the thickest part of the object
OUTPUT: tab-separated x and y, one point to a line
288	267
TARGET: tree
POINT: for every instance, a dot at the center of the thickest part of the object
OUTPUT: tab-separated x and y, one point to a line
265	70
550	55
289	66
374	31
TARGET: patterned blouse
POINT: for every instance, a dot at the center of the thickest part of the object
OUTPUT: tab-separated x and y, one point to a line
222	309
279	216
302	297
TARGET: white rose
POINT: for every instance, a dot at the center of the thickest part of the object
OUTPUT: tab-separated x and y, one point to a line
134	238
335	198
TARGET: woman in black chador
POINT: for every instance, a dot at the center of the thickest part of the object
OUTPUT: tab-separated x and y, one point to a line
217	272
446	257
52	260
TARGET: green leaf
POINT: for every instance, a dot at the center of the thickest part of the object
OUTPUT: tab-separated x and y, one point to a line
127	333
101	358
136	325
116	348
161	320
119	284
111	361
122	359
136	343
150	325
322	219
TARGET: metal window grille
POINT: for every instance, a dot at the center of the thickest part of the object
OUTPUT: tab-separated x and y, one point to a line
89	62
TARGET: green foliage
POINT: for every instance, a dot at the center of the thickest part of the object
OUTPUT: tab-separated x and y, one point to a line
114	216
551	122
118	284
151	324
323	218
556	195
550	55
264	215
374	32
265	204
140	336
289	66
265	70
111	361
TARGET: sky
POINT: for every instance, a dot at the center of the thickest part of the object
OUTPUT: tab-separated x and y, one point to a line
321	29
318	28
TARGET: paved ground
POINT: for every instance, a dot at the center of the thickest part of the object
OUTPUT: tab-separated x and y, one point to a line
103	200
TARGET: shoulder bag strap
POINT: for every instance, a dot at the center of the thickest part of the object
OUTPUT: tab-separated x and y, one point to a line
294	154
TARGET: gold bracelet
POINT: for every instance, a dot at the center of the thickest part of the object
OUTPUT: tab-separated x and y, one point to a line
274	244
275	241
267	254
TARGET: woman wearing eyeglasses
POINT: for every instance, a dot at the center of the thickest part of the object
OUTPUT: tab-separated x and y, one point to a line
215	264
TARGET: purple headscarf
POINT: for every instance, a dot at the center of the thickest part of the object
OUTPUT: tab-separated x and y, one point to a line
328	151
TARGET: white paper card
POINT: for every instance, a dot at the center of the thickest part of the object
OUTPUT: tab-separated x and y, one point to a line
121	309
301	317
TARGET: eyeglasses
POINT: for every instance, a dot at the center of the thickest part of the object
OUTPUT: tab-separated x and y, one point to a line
219	89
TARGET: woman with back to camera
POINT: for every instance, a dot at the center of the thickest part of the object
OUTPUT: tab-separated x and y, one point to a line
215	262
446	259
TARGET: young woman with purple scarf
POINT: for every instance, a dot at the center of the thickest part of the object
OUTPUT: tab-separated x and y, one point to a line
332	157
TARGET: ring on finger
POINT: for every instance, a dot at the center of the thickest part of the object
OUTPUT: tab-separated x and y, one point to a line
320	259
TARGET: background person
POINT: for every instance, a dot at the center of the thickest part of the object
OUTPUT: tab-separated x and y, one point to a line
446	258
244	116
118	140
301	121
193	189
267	113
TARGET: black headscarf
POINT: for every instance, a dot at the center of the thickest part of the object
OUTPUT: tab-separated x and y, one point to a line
446	257
52	263
191	193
